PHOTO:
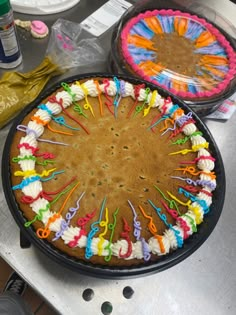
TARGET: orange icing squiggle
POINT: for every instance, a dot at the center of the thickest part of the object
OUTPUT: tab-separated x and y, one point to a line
151	225
44	233
39	120
150	68
205	39
181	26
178	112
154	24
192	170
140	42
165	124
159	239
153	229
58	131
99	97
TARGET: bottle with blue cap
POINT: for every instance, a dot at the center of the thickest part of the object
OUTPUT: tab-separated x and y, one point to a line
10	55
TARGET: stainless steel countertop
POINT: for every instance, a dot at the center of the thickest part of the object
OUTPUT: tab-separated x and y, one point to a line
204	283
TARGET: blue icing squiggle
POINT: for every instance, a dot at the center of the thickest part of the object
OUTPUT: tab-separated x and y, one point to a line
222	68
194	30
162	79
44	107
141	54
174	108
179	238
93	231
192	88
213	49
167	23
26	182
142	29
138	50
193	198
197	85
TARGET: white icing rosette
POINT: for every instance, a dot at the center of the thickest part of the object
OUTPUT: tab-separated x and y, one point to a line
65	97
198	140
129	90
37	128
54	108
26	165
109	89
189	129
70	234
121	247
39	204
190	220
56	225
206	197
170	235
142	95
33	189
77	91
205	164
91	87
94	246
155	248
43	115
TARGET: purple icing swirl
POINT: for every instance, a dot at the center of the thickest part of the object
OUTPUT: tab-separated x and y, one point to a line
183	119
69	216
145	249
27	130
137	224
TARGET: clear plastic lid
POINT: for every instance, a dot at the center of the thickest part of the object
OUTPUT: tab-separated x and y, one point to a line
179	51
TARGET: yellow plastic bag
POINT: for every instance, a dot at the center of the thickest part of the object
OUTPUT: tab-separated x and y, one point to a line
68	47
18	89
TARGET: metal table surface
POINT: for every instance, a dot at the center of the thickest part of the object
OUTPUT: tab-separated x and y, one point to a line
203	283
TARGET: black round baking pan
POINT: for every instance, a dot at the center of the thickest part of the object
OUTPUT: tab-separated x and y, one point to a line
101	271
202	107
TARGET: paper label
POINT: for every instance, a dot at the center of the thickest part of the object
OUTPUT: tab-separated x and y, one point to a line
106	16
226	109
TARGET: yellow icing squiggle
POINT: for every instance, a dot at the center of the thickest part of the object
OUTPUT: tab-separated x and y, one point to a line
187	204
197	211
100	236
200	146
152	102
33	172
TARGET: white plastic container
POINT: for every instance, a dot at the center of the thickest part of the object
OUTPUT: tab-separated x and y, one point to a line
10	55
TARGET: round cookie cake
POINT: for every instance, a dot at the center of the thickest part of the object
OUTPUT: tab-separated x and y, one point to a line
178	51
111	172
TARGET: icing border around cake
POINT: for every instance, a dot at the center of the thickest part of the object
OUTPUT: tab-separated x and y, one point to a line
221	87
153	245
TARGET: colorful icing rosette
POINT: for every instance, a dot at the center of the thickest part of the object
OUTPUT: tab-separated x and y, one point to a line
179	52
